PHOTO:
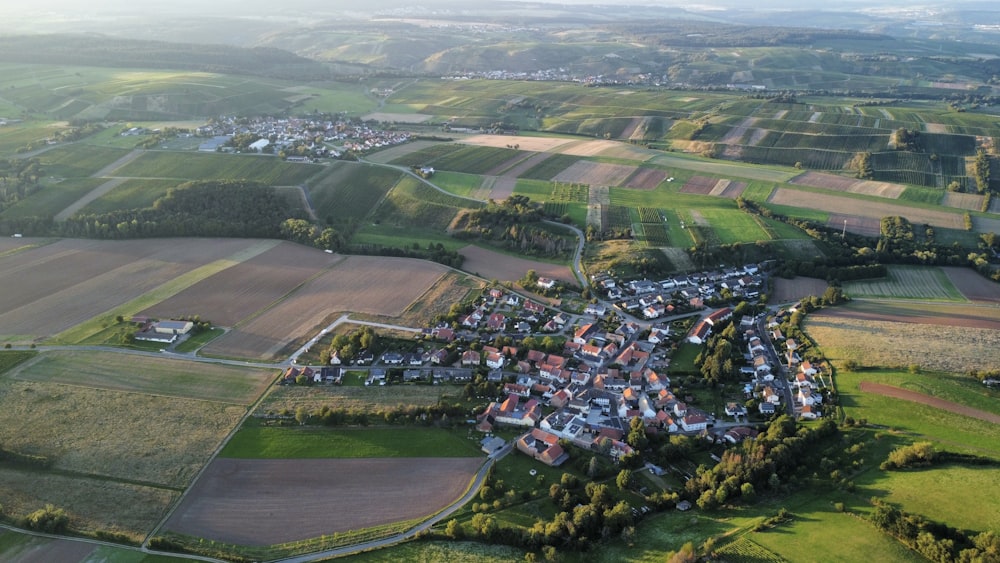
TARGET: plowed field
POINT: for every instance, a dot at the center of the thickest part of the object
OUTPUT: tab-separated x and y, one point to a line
493	265
865	208
269	501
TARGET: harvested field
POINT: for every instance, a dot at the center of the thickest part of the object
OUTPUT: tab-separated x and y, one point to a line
363	284
970	202
732	190
92	504
890	344
590	148
913	396
850	185
737	133
40	300
10	244
116	434
936	314
907	282
595	173
236	293
503	188
788	291
936	128
494	265
367	399
701	185
865	208
399	151
397	117
452	287
239	501
536	144
867	226
972	285
29	549
645	179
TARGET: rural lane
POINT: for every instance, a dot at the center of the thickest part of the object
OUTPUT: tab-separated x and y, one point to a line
416	530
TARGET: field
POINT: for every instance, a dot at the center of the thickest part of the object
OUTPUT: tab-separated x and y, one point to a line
143	374
788	291
236	293
865	208
948	347
41	301
930	400
972	285
907	282
210	166
23	548
494	265
595	173
52	198
269	442
645	179
536	144
849	185
348	192
130	194
362	284
867	226
240	500
946	493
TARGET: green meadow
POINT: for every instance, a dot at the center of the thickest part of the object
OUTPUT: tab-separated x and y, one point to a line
254	441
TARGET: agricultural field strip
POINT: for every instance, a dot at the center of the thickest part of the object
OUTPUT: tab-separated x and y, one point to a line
874	208
908	283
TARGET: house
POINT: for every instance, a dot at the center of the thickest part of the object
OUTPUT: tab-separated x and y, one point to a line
739	434
596	309
532	307
719	316
412	375
517	389
546	283
694	422
444	334
700	333
375	375
496	322
766	408
470	358
495	360
543	446
392	358
583	334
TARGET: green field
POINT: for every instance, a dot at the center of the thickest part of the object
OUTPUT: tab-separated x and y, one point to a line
132	194
196	341
143	374
212	166
262	442
907	282
52	198
78	160
347	192
465	185
10	359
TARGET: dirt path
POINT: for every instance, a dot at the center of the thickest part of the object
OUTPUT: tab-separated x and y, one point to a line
107	170
96	193
907	395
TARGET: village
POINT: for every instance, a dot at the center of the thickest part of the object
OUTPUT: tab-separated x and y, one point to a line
584	379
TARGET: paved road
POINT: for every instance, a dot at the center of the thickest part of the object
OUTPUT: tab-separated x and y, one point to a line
99	543
477	483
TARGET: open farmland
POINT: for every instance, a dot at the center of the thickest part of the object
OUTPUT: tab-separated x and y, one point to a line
143	374
788	291
849	185
121	435
699	185
867	226
924	399
907	282
212	166
921	312
885	343
595	173
363	284
240	500
40	300
865	208
494	265
536	144
366	398
236	293
972	285
969	202
401	152
645	179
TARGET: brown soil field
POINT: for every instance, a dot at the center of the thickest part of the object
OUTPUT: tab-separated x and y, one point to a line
733	190
364	284
494	265
935	314
236	293
970	202
503	188
972	285
787	291
40	299
536	144
595	173
43	550
392	153
913	396
10	244
864	208
701	185
879	189
270	501
450	288
949	344
92	504
850	185
122	435
631	127
628	151
868	226
645	179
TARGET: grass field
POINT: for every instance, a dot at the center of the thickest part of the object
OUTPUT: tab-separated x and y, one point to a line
347	192
907	282
465	185
346	396
52	198
212	166
132	194
260	442
143	374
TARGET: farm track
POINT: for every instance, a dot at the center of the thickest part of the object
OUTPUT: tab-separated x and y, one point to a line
929	400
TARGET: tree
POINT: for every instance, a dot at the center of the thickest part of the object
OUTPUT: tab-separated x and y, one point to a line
624	479
686	554
454	530
301	415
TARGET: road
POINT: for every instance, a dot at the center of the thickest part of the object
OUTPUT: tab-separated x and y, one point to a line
477	483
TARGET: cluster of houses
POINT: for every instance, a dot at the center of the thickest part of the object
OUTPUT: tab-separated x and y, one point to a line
277	134
654	299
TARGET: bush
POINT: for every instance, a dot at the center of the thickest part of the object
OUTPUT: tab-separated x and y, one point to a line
919	454
50	519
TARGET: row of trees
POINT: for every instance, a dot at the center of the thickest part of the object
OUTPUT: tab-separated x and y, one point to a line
933	540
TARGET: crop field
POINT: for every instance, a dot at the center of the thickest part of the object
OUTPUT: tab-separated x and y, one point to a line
645	179
41	301
907	282
733	226
239	500
369	399
254	441
970	202
490	264
850	185
882	343
52	198
236	293
595	173
78	160
524	143
127	436
945	494
788	291
130	194
930	400
464	185
413	203
363	284
211	166
972	285
143	374
848	206
474	159
868	226
550	167
699	185
348	191
414	153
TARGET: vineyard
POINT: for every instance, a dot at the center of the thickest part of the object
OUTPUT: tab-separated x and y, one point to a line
350	191
655	234
814	159
425	155
570	192
473	160
548	168
650	215
211	166
618	217
745	550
